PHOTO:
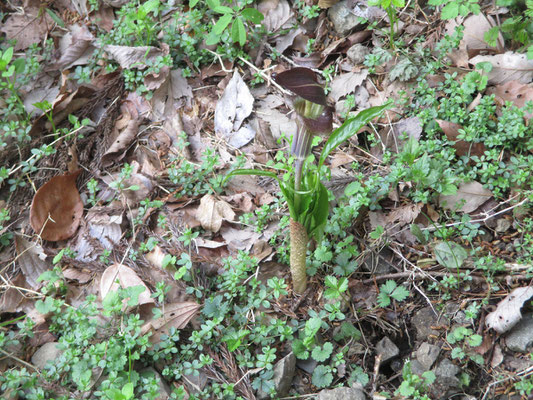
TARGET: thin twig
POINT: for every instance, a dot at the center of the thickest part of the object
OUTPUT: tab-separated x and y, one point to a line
26	364
265	76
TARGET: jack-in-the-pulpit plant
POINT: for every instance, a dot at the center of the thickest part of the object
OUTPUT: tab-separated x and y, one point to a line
306	196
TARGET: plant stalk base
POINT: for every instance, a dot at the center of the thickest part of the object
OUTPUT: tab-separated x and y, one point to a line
298	256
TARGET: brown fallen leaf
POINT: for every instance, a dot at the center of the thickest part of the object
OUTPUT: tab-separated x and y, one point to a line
404	214
125	131
104	18
327	3
56	208
507	67
31	260
462	148
468	198
28	27
278	14
171	95
126	278
515	92
239	239
12	298
346	83
75	48
497	357
261	250
175	315
473	42
134	57
77	275
241	201
211	212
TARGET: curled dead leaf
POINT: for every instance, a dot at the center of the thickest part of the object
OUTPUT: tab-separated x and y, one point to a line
57	208
126	278
211	212
507	313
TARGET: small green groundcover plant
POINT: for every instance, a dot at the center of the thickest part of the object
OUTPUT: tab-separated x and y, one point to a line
305	194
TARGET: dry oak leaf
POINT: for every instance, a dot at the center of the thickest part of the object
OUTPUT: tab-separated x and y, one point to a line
57	208
126	278
462	148
211	212
507	313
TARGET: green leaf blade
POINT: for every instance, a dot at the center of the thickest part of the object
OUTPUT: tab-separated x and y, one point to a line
350	128
253	15
238	32
221	24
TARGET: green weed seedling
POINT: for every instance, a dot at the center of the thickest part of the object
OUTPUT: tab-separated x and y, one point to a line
414	386
391	7
465	339
389	291
516	28
454	8
236	16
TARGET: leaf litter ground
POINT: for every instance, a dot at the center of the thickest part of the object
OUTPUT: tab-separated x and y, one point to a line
158	204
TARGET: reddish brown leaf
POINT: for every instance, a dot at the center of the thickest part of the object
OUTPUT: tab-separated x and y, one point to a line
462	148
57	208
323	124
302	82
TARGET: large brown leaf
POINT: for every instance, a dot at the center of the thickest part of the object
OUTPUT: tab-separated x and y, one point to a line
126	278
211	212
462	148
515	92
507	67
28	27
175	315
57	208
468	198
